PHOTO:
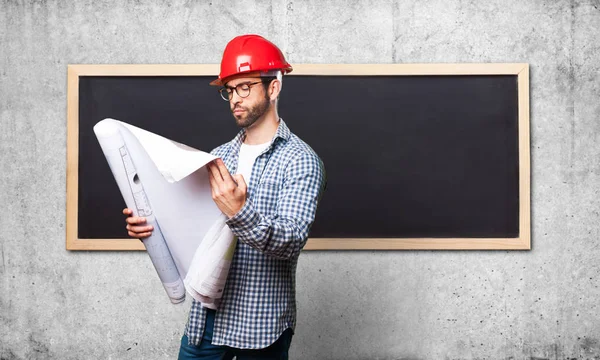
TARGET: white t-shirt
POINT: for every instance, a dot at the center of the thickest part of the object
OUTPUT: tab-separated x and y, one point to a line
248	154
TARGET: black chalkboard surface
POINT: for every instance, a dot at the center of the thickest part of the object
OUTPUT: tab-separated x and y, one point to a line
408	158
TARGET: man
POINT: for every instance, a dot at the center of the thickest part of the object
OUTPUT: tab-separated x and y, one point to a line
270	204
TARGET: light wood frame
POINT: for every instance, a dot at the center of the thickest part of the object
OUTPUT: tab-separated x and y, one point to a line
523	242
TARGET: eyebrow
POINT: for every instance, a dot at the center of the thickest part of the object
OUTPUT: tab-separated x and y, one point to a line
242	83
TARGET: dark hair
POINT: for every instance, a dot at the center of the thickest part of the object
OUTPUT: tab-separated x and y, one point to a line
267	81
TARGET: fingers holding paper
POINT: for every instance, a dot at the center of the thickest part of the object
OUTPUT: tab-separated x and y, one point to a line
136	225
228	192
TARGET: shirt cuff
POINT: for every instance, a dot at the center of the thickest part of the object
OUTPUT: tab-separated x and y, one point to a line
242	223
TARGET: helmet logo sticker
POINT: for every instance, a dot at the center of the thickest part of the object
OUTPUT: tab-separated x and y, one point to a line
244	67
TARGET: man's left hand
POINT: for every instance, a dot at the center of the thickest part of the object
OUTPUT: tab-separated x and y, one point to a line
228	192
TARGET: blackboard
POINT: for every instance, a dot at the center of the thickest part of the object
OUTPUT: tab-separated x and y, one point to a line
429	159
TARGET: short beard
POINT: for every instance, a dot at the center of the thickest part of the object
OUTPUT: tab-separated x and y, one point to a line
253	113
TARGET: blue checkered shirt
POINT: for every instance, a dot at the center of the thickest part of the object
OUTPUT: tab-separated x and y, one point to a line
259	299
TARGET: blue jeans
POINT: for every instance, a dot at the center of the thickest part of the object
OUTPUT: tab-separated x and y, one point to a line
207	351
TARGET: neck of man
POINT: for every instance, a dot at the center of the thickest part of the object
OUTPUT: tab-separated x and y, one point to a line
263	130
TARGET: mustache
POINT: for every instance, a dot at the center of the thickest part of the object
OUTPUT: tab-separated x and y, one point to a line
237	107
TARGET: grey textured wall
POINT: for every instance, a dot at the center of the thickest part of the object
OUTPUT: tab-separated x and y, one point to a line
539	304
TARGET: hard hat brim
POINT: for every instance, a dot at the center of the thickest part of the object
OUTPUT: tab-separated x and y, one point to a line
216	82
221	82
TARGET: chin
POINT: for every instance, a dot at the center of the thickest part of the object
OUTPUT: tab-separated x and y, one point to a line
241	123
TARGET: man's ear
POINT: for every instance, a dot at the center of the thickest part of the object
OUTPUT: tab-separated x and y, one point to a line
274	90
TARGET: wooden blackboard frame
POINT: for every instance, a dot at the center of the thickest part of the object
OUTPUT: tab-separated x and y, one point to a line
523	242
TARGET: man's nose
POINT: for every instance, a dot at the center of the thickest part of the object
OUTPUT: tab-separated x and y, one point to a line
235	98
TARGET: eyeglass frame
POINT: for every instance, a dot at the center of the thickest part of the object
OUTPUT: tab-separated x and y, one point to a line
232	88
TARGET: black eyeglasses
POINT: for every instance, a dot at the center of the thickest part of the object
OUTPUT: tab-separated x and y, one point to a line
243	90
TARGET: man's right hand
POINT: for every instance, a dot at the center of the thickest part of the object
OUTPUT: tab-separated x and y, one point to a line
136	225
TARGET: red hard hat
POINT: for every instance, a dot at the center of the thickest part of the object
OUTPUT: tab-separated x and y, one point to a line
249	53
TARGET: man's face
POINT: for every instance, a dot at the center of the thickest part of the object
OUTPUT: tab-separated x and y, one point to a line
247	110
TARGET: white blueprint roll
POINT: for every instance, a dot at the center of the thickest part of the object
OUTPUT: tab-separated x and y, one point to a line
131	187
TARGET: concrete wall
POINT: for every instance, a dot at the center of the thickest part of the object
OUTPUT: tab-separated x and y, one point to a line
538	304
